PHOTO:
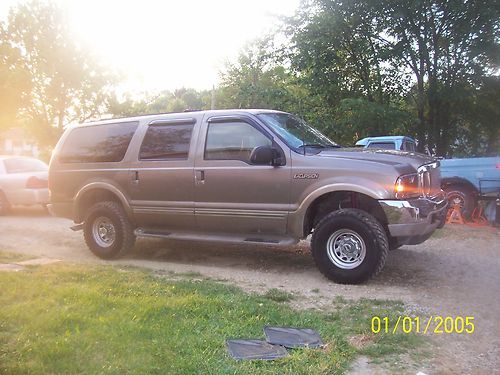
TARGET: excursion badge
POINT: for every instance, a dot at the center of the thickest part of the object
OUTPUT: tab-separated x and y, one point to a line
306	176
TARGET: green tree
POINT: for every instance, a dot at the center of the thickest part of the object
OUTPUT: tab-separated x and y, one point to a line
336	50
354	119
433	53
166	101
67	84
449	46
15	84
257	80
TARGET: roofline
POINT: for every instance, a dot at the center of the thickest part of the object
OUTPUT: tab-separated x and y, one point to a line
170	114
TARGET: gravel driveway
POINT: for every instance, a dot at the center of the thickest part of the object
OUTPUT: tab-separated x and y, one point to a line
454	273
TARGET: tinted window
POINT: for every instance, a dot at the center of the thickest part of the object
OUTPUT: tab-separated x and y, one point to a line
101	143
166	142
384	145
409	146
233	141
21	165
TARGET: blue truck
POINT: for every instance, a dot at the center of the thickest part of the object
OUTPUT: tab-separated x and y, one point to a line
465	180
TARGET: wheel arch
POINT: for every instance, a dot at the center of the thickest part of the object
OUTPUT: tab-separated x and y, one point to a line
458	181
331	201
98	192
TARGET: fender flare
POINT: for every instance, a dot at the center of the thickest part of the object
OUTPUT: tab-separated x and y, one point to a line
449	181
297	218
102	186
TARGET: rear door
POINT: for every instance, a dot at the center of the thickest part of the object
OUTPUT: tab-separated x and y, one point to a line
161	177
231	194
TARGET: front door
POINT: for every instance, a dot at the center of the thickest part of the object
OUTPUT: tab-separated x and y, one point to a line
231	194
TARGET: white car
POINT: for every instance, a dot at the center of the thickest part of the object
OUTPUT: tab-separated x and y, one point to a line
23	181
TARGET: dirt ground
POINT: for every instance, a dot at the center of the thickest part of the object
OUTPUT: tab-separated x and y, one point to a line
455	273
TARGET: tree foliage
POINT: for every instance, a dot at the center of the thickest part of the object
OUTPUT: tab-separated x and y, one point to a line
15	83
166	101
435	53
65	83
256	80
259	79
352	68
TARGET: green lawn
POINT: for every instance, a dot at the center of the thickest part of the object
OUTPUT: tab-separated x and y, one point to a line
69	319
7	257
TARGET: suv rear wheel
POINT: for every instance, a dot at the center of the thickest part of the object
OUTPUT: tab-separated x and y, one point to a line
107	230
349	246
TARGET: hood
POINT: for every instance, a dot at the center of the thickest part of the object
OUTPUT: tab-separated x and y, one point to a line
398	159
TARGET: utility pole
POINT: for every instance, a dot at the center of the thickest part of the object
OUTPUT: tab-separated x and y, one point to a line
212	104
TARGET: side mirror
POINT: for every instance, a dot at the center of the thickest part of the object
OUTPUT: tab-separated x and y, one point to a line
264	155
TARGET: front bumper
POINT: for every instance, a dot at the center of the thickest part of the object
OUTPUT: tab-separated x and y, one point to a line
413	221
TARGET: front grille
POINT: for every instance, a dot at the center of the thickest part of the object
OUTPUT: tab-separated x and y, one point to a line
429	179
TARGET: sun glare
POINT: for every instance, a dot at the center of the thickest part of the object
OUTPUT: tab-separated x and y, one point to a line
169	44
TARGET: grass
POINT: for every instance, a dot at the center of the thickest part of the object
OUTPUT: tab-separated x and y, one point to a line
6	257
277	295
100	319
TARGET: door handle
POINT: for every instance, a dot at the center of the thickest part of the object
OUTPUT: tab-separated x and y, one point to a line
199	177
134	176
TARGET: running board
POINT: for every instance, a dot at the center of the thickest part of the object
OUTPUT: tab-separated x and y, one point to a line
77	227
268	240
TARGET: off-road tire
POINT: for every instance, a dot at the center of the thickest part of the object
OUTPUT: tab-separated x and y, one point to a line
367	228
463	196
124	238
4	204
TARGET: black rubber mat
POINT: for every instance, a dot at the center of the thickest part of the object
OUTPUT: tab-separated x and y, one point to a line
255	349
293	337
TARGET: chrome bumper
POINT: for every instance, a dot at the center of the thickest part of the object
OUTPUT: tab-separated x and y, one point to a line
413	221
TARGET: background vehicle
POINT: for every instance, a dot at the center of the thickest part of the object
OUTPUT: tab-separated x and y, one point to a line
468	180
390	142
465	180
23	181
244	176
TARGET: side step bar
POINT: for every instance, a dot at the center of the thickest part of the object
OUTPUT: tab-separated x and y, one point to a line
269	240
77	227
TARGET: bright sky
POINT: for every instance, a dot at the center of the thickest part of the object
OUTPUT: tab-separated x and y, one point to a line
169	44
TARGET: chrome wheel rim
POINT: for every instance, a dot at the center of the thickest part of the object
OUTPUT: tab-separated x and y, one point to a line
103	231
346	249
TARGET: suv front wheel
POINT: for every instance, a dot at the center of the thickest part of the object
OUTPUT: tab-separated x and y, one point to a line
107	230
349	246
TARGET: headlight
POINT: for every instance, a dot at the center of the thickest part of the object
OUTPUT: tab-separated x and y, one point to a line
407	186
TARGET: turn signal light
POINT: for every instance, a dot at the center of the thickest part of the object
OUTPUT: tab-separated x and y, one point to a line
407	186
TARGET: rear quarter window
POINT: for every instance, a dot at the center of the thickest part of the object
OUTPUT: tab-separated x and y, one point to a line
383	145
99	143
408	146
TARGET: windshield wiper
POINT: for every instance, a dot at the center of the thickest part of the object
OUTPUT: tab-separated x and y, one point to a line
318	145
313	145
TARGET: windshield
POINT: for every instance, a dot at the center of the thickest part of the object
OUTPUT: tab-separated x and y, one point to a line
295	131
